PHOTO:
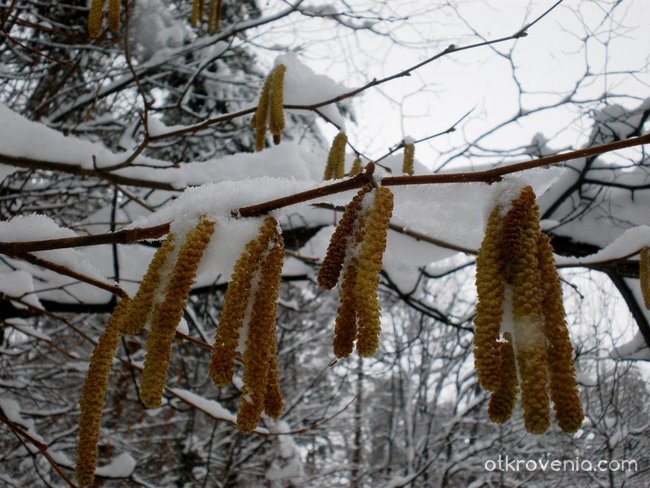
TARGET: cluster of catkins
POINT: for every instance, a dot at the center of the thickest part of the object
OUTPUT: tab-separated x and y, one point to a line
356	251
521	337
96	16
270	109
214	14
158	303
335	168
248	313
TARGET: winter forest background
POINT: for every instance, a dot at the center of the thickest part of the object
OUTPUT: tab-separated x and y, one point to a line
120	132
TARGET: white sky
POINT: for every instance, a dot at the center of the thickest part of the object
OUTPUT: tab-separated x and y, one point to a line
548	62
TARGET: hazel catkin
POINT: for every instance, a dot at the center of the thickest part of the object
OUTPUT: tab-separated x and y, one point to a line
409	158
141	308
261	116
564	390
276	123
222	362
260	361
214	18
93	393
335	168
513	223
114	7
528	326
96	18
197	12
490	287
356	166
369	267
330	269
170	311
504	397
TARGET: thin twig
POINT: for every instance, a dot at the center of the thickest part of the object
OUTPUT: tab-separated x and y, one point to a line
487	176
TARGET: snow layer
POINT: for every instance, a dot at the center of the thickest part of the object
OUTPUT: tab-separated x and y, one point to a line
120	467
19	285
304	87
211	407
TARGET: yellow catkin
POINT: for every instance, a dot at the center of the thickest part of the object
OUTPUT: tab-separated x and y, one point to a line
197	12
564	390
214	19
114	7
170	311
92	396
261	116
261	343
222	363
141	307
503	399
369	267
409	158
335	168
528	325
513	224
345	328
276	123
490	287
644	275
356	166
330	269
273	403
96	18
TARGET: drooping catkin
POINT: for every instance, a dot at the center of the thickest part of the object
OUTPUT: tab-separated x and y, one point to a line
644	275
93	393
490	286
96	18
335	168
369	267
197	12
276	123
504	397
409	158
214	18
345	327
237	296
261	116
273	403
356	166
564	390
529	338
514	222
141	307
330	269
170	311
260	353
114	7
